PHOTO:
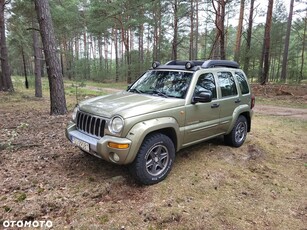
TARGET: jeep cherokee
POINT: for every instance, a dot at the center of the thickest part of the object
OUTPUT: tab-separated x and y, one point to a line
168	108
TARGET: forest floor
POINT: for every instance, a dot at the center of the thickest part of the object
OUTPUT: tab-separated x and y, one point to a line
261	185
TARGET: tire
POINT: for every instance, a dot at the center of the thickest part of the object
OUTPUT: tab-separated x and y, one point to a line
238	134
154	160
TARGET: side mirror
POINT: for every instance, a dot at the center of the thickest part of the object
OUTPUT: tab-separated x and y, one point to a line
203	97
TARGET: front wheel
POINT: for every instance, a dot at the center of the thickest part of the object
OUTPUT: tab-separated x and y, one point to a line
154	159
238	134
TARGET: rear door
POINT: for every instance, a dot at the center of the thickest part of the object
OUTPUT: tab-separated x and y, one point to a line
229	98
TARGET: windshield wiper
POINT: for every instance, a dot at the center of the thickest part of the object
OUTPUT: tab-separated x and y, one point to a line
159	93
135	90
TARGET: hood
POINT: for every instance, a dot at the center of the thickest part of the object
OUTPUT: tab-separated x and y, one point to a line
128	104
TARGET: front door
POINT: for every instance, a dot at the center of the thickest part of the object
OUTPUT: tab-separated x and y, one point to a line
202	119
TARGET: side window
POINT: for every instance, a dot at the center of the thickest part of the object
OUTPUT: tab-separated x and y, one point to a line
227	84
206	82
242	82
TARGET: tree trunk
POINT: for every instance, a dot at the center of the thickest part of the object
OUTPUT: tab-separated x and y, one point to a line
249	38
218	49
25	68
77	48
62	62
286	48
303	49
100	52
215	50
155	41
106	58
37	63
55	77
222	29
239	32
141	47
70	59
191	53
175	37
157	31
126	42
127	47
116	55
196	30
5	75
160	30
264	61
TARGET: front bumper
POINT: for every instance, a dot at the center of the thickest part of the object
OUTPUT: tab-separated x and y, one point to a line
100	147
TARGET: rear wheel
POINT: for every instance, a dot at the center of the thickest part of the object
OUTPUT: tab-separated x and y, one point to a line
238	134
154	159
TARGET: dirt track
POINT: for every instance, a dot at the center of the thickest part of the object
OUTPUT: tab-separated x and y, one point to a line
281	111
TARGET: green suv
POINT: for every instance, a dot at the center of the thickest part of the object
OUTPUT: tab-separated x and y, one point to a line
168	108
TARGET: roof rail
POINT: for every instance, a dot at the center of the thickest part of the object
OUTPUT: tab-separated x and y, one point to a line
220	63
180	62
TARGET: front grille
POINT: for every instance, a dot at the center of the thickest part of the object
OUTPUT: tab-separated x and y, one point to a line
90	124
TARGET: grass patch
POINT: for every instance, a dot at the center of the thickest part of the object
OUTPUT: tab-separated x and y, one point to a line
7	208
74	91
20	196
82	91
72	88
103	219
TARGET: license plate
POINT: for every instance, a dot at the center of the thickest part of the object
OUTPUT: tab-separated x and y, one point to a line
81	144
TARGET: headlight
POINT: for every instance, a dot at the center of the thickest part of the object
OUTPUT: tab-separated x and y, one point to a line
74	113
116	125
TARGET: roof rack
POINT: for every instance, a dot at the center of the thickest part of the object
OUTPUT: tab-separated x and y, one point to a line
195	64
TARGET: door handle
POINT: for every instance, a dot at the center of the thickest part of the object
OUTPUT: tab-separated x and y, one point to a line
216	105
237	101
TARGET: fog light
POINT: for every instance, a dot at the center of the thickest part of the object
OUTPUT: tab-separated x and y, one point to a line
115	157
118	145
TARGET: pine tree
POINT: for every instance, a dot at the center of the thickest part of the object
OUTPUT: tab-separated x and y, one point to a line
55	77
5	75
286	48
264	60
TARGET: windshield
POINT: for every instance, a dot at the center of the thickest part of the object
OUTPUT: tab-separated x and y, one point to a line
163	83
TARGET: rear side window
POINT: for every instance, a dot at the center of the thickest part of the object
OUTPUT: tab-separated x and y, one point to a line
227	84
242	82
